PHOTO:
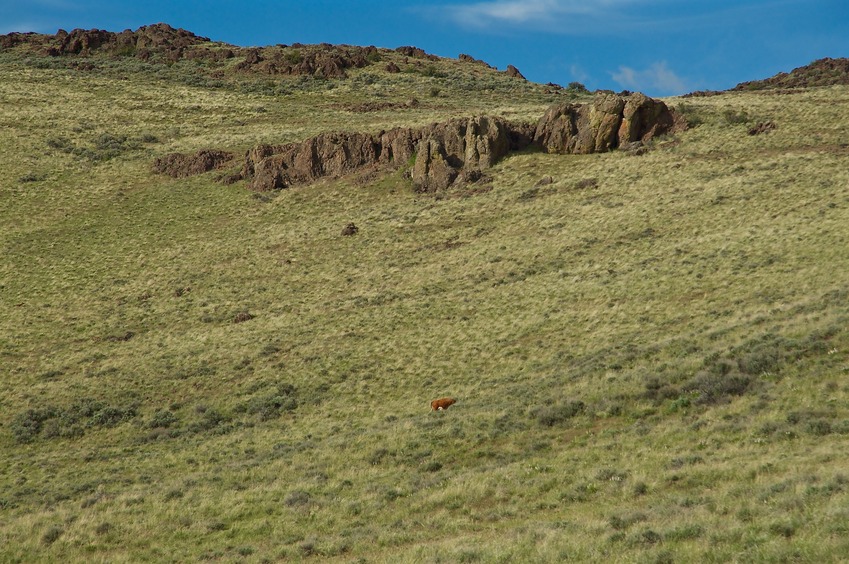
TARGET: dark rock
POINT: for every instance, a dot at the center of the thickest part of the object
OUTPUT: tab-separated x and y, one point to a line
544	181
469	59
392	68
763	127
252	57
350	230
822	72
178	165
409	51
242	316
514	72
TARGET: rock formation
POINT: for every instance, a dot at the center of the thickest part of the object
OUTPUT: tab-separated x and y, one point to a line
452	152
178	165
610	121
822	72
514	72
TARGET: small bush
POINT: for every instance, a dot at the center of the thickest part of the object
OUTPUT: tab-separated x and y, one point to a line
577	88
27	425
293	57
713	388
553	415
685	532
210	419
271	406
433	466
31	177
52	534
733	117
586	183
162	419
297	498
818	427
786	530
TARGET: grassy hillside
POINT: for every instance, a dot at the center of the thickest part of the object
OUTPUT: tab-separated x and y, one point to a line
649	353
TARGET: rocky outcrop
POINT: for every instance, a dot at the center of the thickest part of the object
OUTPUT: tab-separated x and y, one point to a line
453	152
178	165
140	43
442	152
469	59
610	121
822	72
163	43
415	52
514	72
324	61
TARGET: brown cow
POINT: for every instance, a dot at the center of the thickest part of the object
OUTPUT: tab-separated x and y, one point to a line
442	403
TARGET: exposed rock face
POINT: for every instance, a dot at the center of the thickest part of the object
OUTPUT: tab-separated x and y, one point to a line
325	61
161	37
822	72
443	151
469	59
415	52
609	122
178	165
162	43
453	152
514	72
644	118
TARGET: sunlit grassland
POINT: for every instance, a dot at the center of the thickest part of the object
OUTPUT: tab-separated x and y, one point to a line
305	432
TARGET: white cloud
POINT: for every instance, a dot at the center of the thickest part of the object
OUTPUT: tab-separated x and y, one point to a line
22	27
484	14
592	17
658	79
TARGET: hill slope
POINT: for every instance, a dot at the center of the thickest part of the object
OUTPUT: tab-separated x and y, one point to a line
648	352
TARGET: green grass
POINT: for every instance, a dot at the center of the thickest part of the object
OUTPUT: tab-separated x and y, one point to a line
650	366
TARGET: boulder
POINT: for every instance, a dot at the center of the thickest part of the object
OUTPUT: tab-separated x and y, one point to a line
514	72
644	118
610	121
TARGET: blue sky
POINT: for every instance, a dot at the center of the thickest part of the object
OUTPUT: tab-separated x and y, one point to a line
661	47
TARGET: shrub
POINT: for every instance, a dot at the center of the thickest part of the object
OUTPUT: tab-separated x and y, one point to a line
162	419
52	534
712	388
27	425
586	183
818	427
210	419
272	405
734	117
577	88
297	498
552	415
293	57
